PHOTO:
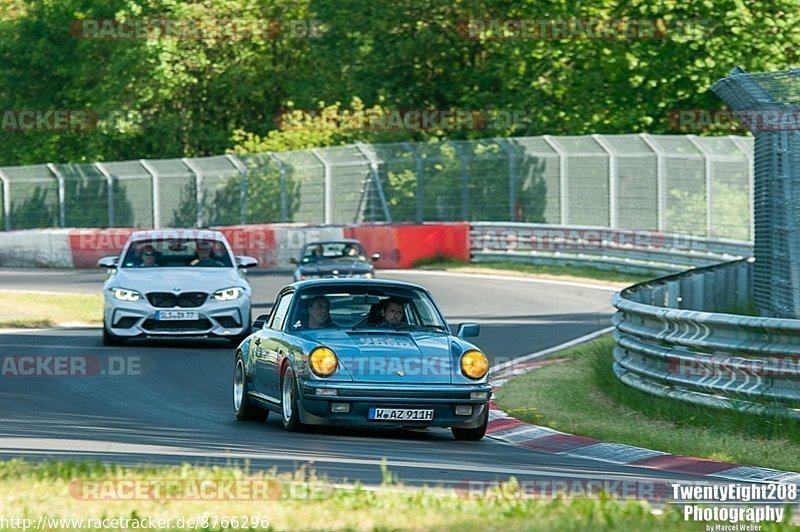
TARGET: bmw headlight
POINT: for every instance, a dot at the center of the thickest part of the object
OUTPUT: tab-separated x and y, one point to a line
474	364
122	294
323	362
228	294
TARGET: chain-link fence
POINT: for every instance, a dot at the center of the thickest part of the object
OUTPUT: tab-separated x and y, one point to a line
671	183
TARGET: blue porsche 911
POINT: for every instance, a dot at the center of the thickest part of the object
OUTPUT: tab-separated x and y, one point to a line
362	352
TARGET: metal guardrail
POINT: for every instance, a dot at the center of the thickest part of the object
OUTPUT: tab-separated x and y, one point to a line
674	340
648	252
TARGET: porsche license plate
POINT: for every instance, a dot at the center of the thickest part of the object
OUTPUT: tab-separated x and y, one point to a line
399	414
173	315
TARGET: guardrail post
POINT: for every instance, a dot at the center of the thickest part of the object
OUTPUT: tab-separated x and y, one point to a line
242	187
198	189
282	173
6	201
709	184
512	177
562	176
156	192
661	192
612	179
327	187
367	152
464	160
62	194
419	170
110	187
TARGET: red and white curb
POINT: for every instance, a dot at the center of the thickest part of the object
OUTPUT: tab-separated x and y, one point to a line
510	430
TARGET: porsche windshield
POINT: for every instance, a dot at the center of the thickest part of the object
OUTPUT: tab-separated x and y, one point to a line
333	251
356	307
171	253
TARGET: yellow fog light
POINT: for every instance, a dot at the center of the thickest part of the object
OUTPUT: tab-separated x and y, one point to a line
323	362
474	364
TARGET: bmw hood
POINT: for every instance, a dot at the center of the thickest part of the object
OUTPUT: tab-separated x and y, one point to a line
168	279
391	357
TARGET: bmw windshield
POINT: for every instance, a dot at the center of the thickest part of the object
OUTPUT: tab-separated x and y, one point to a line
172	253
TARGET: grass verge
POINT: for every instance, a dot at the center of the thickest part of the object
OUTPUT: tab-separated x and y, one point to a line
64	490
566	273
600	406
29	309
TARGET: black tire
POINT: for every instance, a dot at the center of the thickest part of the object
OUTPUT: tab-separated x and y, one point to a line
291	415
243	408
473	434
111	339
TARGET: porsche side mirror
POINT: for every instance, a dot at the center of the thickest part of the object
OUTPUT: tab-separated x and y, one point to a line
108	262
375	256
259	322
469	330
245	262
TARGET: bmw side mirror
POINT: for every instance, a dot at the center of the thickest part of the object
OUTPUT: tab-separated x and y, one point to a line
259	322
245	262
108	262
469	330
375	256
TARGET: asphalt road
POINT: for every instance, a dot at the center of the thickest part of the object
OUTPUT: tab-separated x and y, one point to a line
170	401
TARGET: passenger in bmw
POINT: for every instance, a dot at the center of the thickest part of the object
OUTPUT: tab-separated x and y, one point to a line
203	253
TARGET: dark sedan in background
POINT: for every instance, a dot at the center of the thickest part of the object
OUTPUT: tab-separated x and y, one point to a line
334	259
355	352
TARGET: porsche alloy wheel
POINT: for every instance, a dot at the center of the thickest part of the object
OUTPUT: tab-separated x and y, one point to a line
243	408
289	408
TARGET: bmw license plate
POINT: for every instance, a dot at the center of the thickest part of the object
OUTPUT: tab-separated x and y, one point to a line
399	414
173	315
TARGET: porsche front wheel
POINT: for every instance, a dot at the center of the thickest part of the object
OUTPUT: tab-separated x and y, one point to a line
289	408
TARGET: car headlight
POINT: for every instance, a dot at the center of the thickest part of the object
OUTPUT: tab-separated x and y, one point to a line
306	276
369	275
228	294
122	294
323	362
474	364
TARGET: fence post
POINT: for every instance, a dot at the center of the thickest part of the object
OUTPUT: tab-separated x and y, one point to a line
464	180
562	176
198	189
512	154
284	196
367	152
156	193
749	152
612	179
6	201
242	188
709	185
419	172
62	193
327	187
110	187
661	198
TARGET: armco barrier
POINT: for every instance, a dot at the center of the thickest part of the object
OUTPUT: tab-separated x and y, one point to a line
666	346
648	252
